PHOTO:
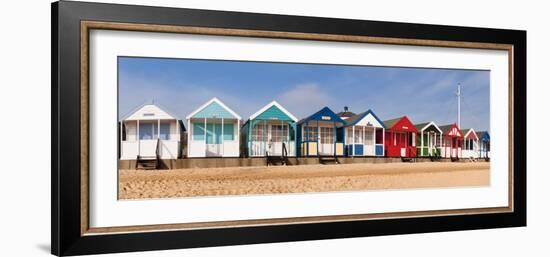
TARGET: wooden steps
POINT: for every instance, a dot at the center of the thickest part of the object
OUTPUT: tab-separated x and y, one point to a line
147	163
407	159
275	160
434	158
328	159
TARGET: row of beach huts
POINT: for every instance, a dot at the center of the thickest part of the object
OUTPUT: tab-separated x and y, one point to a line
215	130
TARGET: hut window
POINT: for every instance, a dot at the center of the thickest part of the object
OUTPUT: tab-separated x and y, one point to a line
228	132
258	132
379	136
349	135
411	139
311	133
198	131
279	133
165	130
147	130
327	135
358	135
369	133
437	140
213	133
130	131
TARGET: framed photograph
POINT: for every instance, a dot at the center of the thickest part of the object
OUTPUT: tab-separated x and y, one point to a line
179	128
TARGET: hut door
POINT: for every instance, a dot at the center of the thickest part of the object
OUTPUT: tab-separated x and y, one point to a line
454	147
213	139
277	134
327	141
369	141
403	144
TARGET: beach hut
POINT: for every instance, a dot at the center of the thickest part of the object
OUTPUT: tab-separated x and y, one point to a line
470	148
484	144
429	139
452	141
318	134
364	135
271	130
213	131
150	132
400	138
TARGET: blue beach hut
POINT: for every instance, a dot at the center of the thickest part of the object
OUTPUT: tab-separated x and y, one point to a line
271	130
364	135
320	134
484	144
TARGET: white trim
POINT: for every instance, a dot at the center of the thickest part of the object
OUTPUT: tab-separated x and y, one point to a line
470	131
273	103
379	124
137	109
429	124
208	103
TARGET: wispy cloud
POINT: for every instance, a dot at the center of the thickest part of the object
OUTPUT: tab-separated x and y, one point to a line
304	99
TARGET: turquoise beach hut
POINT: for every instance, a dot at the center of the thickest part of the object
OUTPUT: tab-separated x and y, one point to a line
213	131
320	134
271	130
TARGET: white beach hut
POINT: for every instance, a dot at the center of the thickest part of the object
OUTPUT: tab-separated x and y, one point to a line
213	131
471	144
150	132
364	135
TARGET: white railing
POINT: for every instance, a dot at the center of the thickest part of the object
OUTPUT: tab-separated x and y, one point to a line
259	148
168	149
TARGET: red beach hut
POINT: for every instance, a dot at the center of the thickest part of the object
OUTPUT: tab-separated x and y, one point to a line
452	141
400	137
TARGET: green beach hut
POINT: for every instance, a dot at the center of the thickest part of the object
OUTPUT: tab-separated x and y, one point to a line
429	140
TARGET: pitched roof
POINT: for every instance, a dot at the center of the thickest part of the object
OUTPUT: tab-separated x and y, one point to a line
420	126
275	110
149	111
483	135
346	114
404	122
214	108
358	117
325	114
425	125
465	132
446	128
391	122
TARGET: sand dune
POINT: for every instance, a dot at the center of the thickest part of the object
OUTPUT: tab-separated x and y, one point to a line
134	184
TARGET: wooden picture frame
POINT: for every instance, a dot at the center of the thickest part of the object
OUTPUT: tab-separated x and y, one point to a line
71	23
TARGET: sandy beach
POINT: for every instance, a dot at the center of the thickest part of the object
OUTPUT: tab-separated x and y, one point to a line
139	184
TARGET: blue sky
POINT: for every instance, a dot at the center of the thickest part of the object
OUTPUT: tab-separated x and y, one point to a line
181	85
